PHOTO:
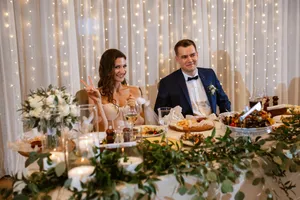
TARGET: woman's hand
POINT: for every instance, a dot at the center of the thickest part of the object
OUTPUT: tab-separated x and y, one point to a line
93	92
131	101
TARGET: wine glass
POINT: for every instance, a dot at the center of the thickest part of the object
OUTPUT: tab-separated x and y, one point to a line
257	96
164	118
130	115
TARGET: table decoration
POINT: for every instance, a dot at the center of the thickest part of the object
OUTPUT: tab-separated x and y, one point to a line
220	162
49	110
55	158
87	142
130	163
87	121
80	174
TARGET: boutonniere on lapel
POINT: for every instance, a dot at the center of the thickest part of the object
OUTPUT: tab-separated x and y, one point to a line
212	89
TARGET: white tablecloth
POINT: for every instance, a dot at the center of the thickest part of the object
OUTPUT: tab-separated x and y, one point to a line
168	185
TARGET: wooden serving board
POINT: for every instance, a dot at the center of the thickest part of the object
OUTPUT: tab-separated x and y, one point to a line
205	127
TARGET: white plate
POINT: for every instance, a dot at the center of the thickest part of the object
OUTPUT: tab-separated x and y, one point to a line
151	127
278	118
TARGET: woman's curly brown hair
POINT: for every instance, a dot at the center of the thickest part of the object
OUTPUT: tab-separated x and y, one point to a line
107	72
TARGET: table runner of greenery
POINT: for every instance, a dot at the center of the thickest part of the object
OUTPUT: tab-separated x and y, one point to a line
219	160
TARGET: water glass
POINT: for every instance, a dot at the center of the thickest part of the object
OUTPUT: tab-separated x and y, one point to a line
164	118
164	115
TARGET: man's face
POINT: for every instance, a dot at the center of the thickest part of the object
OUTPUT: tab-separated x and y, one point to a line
187	58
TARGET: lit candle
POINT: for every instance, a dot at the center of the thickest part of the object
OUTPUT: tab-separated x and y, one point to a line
56	158
80	174
130	164
86	143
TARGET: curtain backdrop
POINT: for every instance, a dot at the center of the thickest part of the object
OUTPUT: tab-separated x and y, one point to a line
249	43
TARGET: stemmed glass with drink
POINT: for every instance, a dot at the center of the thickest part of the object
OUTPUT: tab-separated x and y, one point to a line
131	114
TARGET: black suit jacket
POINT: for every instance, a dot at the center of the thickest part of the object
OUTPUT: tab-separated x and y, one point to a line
173	91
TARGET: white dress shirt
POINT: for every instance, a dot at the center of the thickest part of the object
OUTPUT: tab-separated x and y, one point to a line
198	97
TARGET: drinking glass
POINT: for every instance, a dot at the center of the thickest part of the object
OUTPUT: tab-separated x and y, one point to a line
257	96
164	117
130	115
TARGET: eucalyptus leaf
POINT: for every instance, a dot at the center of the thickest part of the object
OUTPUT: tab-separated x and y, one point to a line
226	186
198	198
249	175
256	181
277	160
31	159
33	187
60	168
21	197
239	196
182	190
261	142
211	176
192	191
68	182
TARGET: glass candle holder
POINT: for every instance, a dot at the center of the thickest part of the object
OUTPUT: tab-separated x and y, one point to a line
79	163
87	119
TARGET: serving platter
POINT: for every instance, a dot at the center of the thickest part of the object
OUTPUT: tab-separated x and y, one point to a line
239	131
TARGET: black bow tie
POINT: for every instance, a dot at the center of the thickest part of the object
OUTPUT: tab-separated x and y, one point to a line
193	78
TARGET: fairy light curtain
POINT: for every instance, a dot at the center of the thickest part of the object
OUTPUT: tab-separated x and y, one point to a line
249	44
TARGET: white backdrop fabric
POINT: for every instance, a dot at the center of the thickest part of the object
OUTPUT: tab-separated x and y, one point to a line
249	43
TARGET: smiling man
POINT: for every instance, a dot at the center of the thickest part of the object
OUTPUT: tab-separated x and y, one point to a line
197	90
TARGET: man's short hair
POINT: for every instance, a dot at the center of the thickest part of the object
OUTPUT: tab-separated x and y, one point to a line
184	43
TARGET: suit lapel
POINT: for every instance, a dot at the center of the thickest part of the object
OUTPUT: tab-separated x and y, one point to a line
181	82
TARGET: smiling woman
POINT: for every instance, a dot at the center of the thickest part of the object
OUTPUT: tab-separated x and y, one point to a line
113	91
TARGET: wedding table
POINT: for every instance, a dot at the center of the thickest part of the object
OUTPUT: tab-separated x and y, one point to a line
167	186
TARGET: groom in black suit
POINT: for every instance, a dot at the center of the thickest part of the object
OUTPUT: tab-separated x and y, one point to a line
197	90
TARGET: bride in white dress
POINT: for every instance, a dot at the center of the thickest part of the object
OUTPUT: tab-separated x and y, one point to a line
113	92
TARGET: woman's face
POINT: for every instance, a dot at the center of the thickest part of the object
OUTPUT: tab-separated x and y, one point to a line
120	69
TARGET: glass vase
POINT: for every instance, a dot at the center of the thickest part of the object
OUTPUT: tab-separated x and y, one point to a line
51	140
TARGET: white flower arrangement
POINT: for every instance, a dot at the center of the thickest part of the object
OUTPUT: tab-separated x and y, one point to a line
212	89
49	108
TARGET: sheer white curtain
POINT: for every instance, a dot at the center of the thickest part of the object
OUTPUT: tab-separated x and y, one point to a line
249	43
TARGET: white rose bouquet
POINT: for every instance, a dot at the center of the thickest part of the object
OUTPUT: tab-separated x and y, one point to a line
49	108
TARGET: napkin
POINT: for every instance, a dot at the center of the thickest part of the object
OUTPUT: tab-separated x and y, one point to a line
175	114
23	144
